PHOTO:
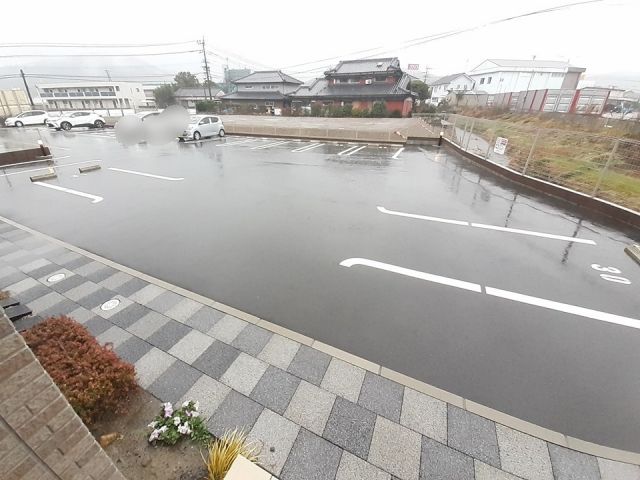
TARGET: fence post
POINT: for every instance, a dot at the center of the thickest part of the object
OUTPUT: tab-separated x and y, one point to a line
470	133
464	132
533	145
606	167
453	130
491	140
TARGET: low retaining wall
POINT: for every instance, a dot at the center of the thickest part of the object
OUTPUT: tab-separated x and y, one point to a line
331	134
612	210
20	156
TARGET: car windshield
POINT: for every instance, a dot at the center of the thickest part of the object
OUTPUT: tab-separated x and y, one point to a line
194	119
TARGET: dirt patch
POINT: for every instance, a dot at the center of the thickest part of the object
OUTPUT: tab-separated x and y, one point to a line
138	459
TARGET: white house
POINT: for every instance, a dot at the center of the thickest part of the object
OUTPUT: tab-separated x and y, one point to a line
500	76
92	95
458	82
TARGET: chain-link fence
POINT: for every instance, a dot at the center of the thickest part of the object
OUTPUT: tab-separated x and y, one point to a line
597	165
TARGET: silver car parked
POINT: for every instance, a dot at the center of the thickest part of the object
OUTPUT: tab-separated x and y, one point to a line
201	126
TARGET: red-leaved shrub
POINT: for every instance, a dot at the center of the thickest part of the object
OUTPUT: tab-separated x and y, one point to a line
92	377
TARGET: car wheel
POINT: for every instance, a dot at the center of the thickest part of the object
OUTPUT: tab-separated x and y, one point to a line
65	126
197	136
221	132
19	124
99	124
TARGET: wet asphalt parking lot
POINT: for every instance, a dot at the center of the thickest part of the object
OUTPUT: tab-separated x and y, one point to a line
413	258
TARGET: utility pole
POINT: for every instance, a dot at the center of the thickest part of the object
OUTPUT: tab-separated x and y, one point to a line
426	71
26	86
206	67
108	74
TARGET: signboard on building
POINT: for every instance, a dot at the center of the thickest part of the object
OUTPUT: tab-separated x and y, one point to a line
413	66
501	145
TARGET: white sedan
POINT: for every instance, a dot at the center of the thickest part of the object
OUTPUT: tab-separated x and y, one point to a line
201	126
76	119
32	117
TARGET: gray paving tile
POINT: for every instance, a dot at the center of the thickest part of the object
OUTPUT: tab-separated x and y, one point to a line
129	288
33	293
309	364
571	465
275	389
46	301
114	335
97	298
164	302
354	468
27	322
5	271
65	307
191	346
18	257
147	294
382	396
133	349
89	268
67	284
227	328
424	414
351	427
101	274
49	250
66	257
174	382
117	279
216	359
311	458
129	315
184	310
45	274
148	324
252	339
395	449
81	291
487	472
611	470
45	271
17	234
279	351
275	436
151	365
473	435
168	335
124	302
523	455
35	265
204	319
244	373
209	392
81	315
310	407
97	325
12	278
439	462
343	379
235	411
77	263
25	283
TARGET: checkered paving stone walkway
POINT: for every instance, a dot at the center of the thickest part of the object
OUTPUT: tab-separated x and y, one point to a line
316	416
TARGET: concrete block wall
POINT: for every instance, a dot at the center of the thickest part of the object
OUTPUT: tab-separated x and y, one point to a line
41	437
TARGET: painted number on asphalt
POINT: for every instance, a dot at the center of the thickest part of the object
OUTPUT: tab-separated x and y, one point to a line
607	275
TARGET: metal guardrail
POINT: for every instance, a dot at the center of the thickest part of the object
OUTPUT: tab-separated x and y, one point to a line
599	166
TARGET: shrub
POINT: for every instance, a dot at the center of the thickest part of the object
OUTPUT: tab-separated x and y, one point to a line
396	114
172	425
316	110
347	110
360	113
92	377
224	450
378	110
207	106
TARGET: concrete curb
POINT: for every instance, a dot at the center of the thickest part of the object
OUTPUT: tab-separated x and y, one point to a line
469	405
399	142
634	252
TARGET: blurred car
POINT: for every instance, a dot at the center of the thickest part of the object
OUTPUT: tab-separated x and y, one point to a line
76	119
201	126
32	117
145	115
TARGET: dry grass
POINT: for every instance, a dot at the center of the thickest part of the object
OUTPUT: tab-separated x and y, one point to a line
224	450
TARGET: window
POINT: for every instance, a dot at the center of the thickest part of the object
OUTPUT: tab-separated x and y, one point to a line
489	80
137	89
380	78
204	121
117	88
266	87
215	119
557	75
268	104
126	102
247	87
482	81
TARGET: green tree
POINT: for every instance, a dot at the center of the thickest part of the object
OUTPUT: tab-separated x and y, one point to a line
378	110
186	79
164	95
421	88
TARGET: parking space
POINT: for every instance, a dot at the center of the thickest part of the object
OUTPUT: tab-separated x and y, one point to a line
410	257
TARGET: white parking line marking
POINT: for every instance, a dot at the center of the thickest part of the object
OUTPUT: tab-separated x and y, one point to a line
395	155
452	282
306	148
564	307
142	174
533	234
94	198
47	168
489	227
496	292
228	144
348	149
269	145
422	217
356	150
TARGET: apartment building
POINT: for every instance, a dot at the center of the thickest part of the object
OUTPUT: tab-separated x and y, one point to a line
92	95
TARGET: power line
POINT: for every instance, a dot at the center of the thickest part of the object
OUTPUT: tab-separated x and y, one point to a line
99	54
92	45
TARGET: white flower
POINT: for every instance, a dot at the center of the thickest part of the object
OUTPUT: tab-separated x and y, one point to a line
162	429
168	409
153	424
154	435
185	403
184	429
194	414
176	421
196	405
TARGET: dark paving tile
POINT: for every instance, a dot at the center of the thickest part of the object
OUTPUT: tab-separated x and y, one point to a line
133	349
235	411
382	396
130	287
309	364
204	319
252	339
351	427
97	325
174	382
101	274
32	294
15	234
168	335
216	359
438	461
275	389
68	283
163	302
130	315
42	271
12	278
571	465
311	458
54	253
96	298
76	263
63	307
473	435
27	322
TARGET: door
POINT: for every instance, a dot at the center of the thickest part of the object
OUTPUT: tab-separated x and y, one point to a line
38	117
204	127
215	125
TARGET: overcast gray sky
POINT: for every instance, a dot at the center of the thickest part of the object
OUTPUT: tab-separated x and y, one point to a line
285	33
